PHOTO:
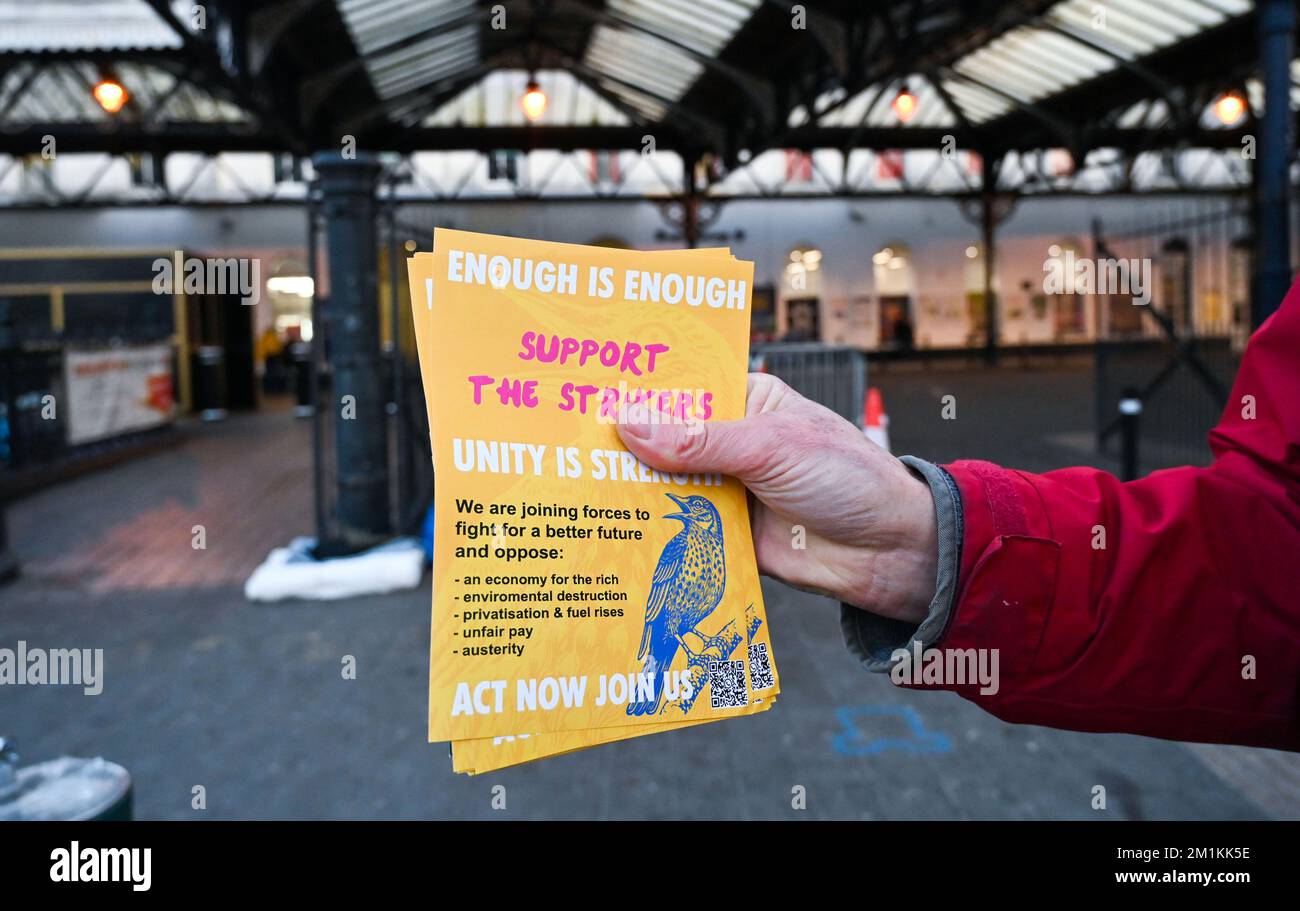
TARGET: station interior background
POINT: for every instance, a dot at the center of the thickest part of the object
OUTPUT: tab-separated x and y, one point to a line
859	215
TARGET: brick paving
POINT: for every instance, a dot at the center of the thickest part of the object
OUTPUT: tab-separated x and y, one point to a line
246	481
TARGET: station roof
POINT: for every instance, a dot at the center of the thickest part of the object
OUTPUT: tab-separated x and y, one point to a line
726	77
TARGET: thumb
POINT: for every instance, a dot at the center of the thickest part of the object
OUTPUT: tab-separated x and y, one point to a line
737	448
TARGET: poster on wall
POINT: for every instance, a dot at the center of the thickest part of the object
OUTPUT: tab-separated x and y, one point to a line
112	391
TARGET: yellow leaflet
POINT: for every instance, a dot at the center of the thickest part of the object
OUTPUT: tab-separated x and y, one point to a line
548	533
485	755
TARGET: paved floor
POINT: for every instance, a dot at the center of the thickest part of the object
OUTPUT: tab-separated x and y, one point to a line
203	688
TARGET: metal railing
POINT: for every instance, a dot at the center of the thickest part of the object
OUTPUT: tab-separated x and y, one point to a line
1177	361
833	375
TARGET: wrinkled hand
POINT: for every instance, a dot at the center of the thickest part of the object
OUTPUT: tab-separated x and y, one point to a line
869	524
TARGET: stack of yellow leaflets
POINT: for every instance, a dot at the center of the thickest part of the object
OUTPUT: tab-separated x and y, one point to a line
580	596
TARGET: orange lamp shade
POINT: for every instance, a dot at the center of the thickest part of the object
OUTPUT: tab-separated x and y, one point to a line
904	105
111	95
1229	108
533	102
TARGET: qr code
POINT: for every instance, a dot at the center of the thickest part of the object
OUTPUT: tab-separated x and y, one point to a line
727	684
760	669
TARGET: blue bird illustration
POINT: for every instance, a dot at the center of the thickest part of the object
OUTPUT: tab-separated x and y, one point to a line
686	588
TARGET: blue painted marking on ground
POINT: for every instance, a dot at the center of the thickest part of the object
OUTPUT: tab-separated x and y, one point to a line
856	739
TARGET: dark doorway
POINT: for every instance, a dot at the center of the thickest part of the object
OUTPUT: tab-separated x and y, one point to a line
896	325
803	320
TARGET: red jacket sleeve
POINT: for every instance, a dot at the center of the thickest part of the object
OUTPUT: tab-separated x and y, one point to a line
1184	622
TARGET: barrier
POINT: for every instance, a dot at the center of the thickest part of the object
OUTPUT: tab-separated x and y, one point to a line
832	375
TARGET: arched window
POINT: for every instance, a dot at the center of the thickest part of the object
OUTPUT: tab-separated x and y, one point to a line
895	280
803	271
1068	308
801	284
1239	269
1176	283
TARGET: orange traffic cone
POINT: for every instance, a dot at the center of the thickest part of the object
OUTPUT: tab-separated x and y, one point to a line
875	423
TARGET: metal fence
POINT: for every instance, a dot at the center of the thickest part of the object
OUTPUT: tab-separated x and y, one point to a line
834	375
1178	354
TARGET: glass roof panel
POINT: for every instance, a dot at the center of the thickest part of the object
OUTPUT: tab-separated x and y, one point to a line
654	45
83	25
378	24
1035	61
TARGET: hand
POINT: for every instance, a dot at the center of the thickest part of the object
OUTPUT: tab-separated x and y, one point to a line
870	533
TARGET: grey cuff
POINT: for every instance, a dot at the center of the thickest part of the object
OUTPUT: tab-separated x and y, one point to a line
874	638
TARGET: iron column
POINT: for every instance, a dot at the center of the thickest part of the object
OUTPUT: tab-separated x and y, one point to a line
359	400
1276	20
